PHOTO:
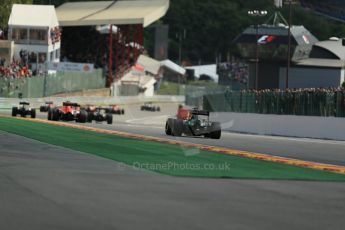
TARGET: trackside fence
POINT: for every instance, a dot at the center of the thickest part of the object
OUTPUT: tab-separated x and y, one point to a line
327	104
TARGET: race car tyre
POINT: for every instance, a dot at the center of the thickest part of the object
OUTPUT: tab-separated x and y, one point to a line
177	128
122	111
142	108
109	118
14	111
90	117
55	115
153	109
41	109
158	109
216	131
168	126
33	113
82	118
49	116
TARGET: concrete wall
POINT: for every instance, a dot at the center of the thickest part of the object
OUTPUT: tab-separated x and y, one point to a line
283	125
310	77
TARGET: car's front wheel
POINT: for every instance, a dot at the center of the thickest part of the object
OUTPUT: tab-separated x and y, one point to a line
216	131
109	118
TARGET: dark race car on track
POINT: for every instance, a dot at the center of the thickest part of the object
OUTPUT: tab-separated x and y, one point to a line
90	108
100	115
68	112
193	123
48	105
115	109
148	106
23	110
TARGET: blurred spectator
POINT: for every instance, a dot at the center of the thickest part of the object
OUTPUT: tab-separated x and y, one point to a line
15	70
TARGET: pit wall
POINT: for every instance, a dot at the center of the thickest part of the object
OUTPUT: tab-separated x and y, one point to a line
40	86
283	125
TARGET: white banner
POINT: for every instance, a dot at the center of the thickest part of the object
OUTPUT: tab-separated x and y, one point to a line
71	67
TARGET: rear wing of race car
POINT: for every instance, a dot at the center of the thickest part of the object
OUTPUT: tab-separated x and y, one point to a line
49	103
101	108
24	103
200	112
70	104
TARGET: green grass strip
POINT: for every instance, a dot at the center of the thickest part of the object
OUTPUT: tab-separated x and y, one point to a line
162	158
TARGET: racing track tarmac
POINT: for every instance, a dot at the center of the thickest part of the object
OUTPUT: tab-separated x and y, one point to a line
48	187
152	124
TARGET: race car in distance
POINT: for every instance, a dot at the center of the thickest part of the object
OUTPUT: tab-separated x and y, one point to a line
191	123
23	110
148	106
115	109
90	108
68	112
48	105
100	115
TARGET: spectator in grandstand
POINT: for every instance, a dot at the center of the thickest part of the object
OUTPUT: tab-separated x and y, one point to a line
2	61
15	70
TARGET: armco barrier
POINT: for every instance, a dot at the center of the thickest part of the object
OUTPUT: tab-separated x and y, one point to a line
283	125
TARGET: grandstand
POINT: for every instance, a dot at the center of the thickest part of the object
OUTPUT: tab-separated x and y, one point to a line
116	51
129	17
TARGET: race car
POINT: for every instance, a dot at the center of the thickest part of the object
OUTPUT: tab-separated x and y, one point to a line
68	112
193	123
23	110
148	106
100	115
90	108
48	105
115	109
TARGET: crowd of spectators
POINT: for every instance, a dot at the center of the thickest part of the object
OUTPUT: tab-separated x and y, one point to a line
16	69
234	72
308	101
55	35
22	67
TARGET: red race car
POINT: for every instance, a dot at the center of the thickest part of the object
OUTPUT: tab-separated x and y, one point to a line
68	112
115	109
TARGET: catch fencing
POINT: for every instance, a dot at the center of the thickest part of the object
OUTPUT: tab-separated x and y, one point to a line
41	86
195	94
327	104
